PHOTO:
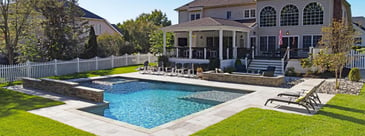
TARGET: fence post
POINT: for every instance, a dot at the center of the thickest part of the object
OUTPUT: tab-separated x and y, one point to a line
149	57
78	65
138	57
96	63
126	59
28	68
112	61
55	67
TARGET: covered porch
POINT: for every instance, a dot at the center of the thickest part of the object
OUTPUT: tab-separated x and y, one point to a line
208	38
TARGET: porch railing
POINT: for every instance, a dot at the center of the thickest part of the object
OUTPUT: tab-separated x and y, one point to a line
197	52
295	53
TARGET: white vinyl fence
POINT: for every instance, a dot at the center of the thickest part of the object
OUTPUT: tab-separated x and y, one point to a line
10	73
357	59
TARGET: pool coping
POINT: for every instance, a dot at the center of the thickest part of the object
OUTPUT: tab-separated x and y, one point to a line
183	126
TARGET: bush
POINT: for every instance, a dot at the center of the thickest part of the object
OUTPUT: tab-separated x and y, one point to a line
229	69
164	60
214	63
290	71
354	74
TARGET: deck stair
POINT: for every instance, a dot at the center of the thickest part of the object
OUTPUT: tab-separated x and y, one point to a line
262	64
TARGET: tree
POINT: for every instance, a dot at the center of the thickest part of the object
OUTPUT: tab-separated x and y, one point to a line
91	48
137	32
337	39
156	40
14	24
111	44
63	28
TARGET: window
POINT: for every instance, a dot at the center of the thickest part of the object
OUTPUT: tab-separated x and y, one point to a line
267	43
182	41
250	13
289	16
253	13
229	14
358	41
313	14
268	17
194	16
97	29
311	41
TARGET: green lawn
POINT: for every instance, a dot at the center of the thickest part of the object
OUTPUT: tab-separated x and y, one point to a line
14	120
343	115
120	70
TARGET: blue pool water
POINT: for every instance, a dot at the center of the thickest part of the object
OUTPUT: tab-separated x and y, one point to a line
149	104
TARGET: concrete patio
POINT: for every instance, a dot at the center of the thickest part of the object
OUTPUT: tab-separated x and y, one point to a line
98	125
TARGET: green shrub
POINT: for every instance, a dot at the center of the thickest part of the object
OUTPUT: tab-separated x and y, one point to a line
306	63
214	63
354	74
290	71
229	69
164	60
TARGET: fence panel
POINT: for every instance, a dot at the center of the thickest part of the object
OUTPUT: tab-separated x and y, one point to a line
10	73
357	59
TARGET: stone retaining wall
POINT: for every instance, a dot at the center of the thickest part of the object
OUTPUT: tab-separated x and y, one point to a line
64	88
276	81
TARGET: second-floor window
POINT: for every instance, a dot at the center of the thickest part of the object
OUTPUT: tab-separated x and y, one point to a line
229	14
194	16
249	13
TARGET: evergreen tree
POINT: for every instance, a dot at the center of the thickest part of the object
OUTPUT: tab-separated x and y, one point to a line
91	48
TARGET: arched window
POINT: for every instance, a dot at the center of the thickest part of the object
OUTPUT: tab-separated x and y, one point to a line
289	16
313	14
268	17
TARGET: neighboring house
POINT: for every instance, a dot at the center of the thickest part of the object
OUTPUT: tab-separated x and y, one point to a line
359	26
100	24
236	29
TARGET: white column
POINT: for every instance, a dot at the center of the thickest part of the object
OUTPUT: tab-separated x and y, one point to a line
234	45
190	44
220	44
164	43
248	40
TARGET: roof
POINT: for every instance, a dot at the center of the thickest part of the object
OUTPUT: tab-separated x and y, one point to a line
247	22
89	14
117	28
213	3
360	26
359	20
206	22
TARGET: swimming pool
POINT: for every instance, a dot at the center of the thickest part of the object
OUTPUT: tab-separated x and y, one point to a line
150	104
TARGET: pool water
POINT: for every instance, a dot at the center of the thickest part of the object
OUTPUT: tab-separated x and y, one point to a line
150	104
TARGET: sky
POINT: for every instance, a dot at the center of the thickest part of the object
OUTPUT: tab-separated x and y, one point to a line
118	11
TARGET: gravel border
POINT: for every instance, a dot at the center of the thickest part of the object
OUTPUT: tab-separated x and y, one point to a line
346	87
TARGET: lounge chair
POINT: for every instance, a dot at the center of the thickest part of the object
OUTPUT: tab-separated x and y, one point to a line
313	95
302	101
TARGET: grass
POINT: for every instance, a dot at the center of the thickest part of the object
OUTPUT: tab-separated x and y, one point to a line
120	70
343	115
15	120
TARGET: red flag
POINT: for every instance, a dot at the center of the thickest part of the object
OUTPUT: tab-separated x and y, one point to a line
280	38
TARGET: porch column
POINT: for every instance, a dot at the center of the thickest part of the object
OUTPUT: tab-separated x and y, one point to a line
190	44
221	44
164	43
248	40
234	45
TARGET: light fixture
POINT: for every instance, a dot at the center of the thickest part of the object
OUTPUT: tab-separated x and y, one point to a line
287	33
201	37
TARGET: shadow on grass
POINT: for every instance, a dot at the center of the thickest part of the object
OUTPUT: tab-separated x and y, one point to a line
11	100
342	117
345	108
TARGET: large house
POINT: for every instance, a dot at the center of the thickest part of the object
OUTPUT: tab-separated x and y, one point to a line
270	32
359	26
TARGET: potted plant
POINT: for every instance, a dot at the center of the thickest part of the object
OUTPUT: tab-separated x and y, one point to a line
199	72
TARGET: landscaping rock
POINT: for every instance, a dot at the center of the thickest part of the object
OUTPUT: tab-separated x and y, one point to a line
346	87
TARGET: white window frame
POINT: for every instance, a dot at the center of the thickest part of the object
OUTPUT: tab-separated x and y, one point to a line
249	13
312	38
195	13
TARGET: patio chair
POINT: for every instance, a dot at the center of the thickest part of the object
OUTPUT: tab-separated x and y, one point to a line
302	101
171	70
313	95
269	72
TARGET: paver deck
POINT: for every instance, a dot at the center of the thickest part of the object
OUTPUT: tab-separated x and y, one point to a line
98	125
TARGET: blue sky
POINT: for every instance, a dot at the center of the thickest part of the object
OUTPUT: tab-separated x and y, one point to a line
117	11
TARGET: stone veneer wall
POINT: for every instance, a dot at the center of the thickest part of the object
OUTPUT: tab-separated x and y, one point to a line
244	78
64	88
